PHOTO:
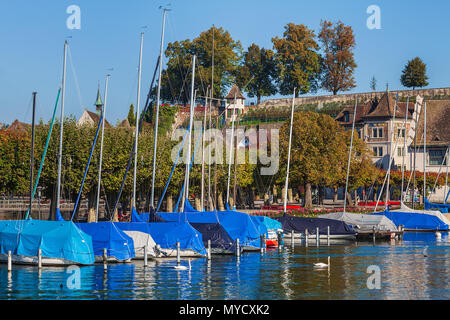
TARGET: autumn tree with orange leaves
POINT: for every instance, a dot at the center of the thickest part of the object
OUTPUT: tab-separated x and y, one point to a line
338	63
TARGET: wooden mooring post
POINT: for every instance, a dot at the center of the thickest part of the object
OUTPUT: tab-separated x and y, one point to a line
238	249
306	237
317	237
292	238
261	241
178	253
9	261
328	235
145	256
39	258
105	260
209	250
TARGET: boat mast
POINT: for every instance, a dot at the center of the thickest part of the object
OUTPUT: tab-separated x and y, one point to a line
191	119
391	154
101	149
32	150
349	155
209	161
58	184
424	151
289	155
446	176
203	150
158	102
404	149
231	150
217	121
413	190
137	122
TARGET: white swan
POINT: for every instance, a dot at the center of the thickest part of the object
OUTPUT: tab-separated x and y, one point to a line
321	264
183	267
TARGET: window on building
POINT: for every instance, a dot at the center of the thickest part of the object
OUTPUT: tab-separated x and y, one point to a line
401	133
435	157
377	151
377	132
400	152
346	116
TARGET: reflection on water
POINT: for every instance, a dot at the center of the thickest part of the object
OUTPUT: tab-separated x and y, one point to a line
416	268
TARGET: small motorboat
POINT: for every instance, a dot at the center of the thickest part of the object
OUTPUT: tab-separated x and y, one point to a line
272	239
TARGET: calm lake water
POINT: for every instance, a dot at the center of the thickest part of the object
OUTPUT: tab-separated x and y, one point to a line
406	273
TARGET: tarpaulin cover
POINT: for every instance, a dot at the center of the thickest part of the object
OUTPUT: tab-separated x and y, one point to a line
268	223
414	221
237	224
439	206
56	239
140	229
300	224
167	234
216	233
362	222
107	235
145	217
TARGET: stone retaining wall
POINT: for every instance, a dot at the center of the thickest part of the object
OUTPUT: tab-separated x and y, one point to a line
363	97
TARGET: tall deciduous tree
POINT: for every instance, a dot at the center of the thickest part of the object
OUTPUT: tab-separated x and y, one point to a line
414	74
176	76
258	72
298	60
338	62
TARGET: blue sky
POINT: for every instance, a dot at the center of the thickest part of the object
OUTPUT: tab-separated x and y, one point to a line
32	37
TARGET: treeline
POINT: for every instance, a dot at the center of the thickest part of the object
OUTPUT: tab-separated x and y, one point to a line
318	160
299	59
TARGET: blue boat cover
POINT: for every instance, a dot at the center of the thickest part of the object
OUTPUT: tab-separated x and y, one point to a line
58	216
439	206
216	234
238	225
167	234
270	224
56	239
106	235
300	224
414	220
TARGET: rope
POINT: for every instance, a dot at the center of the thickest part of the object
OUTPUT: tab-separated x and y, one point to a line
75	78
87	167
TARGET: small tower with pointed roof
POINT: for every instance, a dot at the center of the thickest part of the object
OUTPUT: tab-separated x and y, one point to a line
234	100
98	103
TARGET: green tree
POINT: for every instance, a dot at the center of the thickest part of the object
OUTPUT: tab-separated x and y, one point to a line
131	116
258	72
414	74
338	63
298	60
175	86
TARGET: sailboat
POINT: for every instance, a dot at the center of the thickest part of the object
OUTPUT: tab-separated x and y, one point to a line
164	236
367	226
302	226
413	219
59	242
